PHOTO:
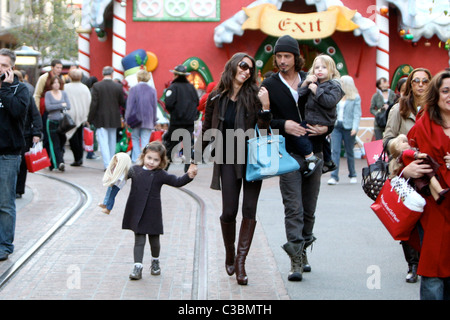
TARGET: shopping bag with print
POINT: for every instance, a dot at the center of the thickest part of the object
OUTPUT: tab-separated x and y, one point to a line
374	150
37	158
88	139
399	207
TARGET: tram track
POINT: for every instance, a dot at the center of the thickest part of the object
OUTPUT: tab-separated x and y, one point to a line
84	200
200	269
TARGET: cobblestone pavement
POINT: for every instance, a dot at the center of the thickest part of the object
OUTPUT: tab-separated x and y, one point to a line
92	257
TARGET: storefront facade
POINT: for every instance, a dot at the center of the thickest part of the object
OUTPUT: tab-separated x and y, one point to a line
204	34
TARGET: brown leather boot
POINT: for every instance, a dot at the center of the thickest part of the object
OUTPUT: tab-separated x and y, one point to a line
245	240
229	236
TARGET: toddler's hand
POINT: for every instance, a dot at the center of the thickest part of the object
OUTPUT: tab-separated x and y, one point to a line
313	87
192	171
311	78
421	155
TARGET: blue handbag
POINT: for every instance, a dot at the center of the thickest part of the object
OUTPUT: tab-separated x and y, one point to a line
267	157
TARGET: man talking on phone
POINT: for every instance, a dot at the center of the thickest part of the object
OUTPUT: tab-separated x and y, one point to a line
14	98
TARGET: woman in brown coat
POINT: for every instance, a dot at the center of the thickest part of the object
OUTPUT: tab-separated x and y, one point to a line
233	108
401	119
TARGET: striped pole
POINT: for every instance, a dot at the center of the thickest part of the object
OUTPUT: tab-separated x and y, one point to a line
84	53
119	38
84	36
382	59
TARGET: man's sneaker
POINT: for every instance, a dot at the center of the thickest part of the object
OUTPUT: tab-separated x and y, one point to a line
155	270
353	180
136	274
332	181
312	163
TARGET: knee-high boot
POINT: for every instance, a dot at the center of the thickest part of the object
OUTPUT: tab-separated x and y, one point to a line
245	240
229	237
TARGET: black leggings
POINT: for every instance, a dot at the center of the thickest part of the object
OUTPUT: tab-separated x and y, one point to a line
231	189
139	246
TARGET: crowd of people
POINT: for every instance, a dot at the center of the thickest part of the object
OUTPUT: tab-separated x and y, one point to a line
316	111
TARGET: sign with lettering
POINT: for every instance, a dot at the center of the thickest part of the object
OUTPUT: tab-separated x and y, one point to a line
317	25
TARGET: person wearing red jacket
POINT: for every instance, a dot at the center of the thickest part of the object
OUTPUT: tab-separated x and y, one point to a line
202	104
434	227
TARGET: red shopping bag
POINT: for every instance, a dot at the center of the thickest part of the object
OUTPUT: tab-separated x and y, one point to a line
88	139
37	159
156	135
373	150
398	219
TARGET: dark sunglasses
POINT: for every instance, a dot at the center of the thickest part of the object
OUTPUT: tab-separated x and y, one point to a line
417	80
244	66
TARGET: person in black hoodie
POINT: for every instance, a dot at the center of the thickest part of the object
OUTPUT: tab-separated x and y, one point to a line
14	99
181	102
32	133
299	193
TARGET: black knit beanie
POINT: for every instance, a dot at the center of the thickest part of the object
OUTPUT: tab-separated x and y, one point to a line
287	44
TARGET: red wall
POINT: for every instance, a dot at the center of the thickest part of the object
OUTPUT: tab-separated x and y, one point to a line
174	42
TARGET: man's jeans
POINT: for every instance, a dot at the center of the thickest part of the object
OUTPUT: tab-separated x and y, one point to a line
9	168
107	138
432	288
338	135
140	137
300	196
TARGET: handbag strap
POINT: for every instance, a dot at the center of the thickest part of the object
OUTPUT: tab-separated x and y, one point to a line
258	134
384	153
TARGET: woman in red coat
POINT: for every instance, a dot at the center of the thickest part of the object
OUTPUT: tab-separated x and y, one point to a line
434	126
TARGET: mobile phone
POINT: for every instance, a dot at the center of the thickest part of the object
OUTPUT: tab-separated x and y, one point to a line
3	76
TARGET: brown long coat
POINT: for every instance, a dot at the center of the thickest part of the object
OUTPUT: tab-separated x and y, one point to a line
143	212
214	112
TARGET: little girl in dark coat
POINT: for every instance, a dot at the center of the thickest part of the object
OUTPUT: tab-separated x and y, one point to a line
143	213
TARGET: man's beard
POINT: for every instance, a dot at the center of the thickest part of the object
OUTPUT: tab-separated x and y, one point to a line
284	69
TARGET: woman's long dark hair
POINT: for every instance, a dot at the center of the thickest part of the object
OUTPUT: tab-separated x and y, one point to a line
248	94
431	98
407	103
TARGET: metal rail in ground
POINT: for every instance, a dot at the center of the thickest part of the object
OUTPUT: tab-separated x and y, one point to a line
84	201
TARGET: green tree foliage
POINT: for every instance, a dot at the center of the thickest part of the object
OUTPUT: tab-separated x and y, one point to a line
48	26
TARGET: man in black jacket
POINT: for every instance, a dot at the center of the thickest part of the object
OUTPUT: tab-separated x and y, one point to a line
104	113
181	102
14	98
299	193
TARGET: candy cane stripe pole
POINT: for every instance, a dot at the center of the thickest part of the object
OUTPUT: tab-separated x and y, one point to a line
119	38
382	21
84	36
84	57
